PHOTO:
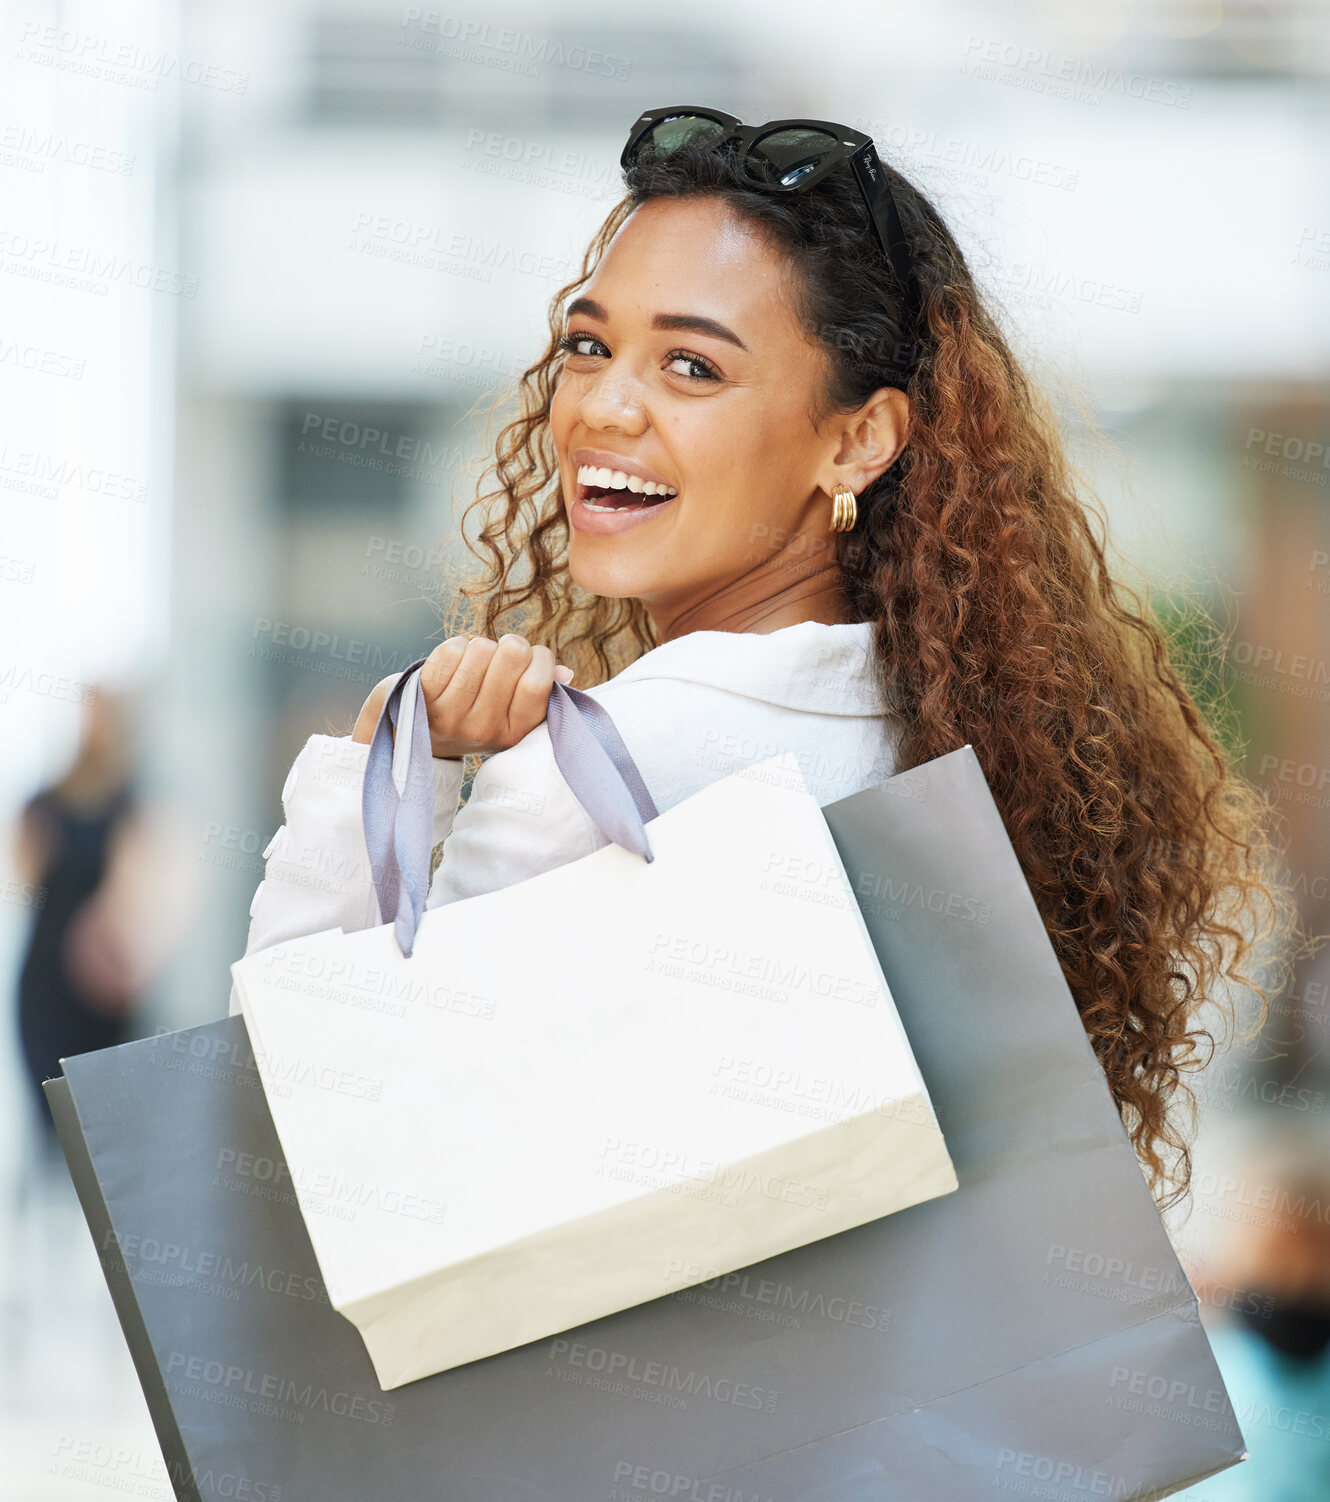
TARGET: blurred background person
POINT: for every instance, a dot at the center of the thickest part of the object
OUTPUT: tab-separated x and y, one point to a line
79	984
108	867
1265	1282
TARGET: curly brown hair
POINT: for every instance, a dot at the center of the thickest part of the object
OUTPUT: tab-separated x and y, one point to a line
1154	865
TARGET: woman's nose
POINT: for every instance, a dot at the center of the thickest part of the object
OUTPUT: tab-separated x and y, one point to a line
614	400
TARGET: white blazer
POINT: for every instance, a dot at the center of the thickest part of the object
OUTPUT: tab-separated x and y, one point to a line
690	711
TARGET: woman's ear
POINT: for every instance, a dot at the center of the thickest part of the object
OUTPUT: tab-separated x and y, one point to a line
869	440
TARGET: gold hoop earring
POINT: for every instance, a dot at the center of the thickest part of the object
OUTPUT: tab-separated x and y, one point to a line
845	509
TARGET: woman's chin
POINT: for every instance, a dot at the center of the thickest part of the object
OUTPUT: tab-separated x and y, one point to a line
611	578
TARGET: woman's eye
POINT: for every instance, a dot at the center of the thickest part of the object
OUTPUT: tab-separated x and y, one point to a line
705	370
695	367
570	342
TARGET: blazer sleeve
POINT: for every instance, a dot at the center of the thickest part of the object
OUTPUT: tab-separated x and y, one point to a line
316	874
520	819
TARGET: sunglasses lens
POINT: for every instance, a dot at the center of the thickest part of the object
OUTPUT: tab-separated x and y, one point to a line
781	159
666	136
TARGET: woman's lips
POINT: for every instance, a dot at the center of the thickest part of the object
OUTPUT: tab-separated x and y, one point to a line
621	519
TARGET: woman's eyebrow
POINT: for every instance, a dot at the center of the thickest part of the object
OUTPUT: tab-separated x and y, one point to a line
691	322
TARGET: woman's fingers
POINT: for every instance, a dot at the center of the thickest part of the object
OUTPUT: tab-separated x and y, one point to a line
484	695
490	717
531	693
463	688
440	666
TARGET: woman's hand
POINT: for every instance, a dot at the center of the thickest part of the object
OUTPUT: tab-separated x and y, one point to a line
481	695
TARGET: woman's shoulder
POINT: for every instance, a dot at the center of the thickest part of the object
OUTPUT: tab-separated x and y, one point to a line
702	707
813	666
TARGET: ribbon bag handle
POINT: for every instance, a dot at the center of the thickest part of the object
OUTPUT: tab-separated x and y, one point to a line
399	820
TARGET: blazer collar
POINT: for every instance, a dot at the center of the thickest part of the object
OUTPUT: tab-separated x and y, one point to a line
826	669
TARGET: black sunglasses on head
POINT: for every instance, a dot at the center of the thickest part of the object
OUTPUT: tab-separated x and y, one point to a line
787	156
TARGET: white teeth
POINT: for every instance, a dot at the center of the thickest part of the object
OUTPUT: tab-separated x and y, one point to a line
620	479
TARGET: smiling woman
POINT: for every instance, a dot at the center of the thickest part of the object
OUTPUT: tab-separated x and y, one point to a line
778	484
725	420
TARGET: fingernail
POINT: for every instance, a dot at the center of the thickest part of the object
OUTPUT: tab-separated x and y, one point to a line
563	674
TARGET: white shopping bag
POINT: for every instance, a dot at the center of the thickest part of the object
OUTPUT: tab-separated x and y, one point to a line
619	1078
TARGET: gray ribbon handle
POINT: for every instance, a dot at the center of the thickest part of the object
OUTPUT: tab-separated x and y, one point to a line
596	765
588	750
398	826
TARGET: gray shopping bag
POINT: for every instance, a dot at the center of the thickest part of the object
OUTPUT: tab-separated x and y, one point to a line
1032	1333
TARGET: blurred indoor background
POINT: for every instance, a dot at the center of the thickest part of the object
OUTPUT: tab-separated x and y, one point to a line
263	265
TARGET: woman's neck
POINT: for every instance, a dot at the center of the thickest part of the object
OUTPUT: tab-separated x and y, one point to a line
750	603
